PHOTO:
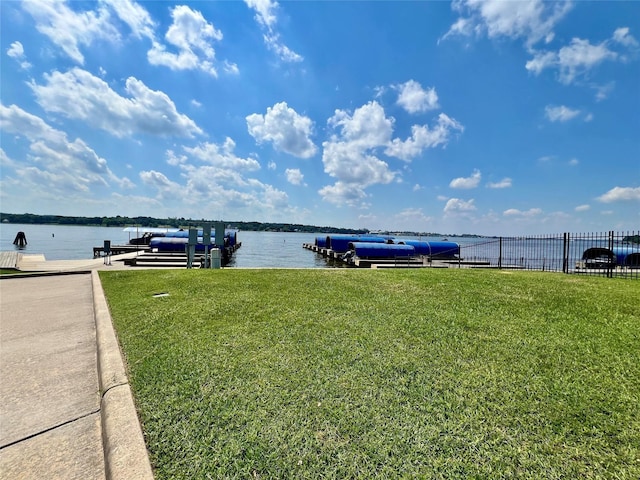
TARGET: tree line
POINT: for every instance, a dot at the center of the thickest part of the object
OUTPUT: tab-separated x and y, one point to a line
120	221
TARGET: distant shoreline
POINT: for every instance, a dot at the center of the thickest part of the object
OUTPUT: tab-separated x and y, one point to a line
120	221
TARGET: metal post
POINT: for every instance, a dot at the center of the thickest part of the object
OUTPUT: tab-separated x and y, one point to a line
191	246
107	252
565	253
206	240
500	255
610	264
216	259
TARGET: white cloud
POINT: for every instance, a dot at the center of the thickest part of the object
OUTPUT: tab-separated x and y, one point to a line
623	37
213	178
294	176
265	11
462	27
272	165
13	119
578	58
267	18
582	208
343	193
379	91
534	21
540	61
160	182
560	113
603	91
367	128
412	217
274	44
423	137
353	165
504	183
202	180
413	214
79	95
16	51
275	198
574	162
231	68
190	30
69	29
5	161
285	128
367	218
531	21
467	182
350	156
135	16
192	35
222	156
513	212
457	205
417	187
414	99
52	156
618	194
175	159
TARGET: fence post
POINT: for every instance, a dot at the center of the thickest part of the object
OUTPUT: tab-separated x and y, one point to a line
500	255
610	264
565	254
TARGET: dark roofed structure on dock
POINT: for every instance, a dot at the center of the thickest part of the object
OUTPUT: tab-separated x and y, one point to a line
620	255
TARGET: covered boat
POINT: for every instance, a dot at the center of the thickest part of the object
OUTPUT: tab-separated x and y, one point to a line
440	249
378	250
620	255
340	243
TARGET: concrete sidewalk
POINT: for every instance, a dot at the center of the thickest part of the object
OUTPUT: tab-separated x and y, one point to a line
66	409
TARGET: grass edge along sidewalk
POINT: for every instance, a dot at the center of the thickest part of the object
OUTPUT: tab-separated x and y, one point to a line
364	374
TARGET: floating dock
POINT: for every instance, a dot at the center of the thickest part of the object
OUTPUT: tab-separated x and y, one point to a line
177	260
168	248
388	252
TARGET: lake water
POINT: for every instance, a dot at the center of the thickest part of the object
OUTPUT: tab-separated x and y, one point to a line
64	242
60	242
275	249
259	249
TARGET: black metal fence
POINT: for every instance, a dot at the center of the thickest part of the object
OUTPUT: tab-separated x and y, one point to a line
608	254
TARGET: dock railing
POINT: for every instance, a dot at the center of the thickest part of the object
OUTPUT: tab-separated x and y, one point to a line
609	254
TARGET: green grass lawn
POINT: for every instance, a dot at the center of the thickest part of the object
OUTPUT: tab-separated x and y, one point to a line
346	373
9	271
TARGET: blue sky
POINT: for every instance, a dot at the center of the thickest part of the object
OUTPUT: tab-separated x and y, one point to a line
498	118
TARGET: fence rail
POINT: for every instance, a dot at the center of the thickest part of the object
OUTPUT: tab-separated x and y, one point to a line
609	254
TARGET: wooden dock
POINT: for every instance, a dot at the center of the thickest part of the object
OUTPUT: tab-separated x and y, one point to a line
123	259
9	260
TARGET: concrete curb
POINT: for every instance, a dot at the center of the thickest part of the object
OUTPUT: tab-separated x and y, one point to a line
125	453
